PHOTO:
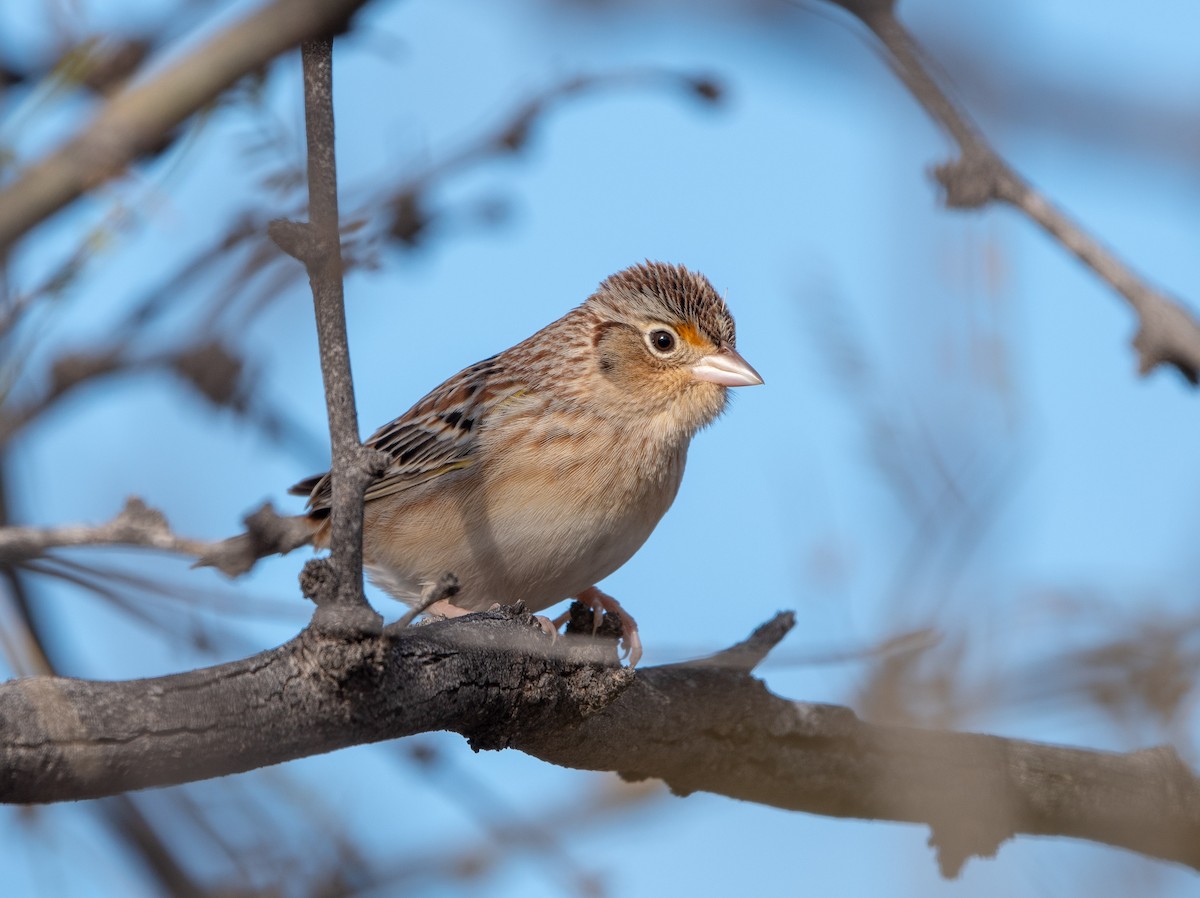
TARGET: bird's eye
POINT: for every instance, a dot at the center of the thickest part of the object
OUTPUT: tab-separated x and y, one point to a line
663	341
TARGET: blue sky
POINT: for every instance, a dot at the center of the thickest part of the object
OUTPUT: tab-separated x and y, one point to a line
804	195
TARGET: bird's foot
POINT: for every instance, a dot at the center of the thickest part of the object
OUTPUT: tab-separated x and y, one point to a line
601	603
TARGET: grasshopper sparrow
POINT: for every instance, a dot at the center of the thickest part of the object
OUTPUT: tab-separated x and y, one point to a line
536	473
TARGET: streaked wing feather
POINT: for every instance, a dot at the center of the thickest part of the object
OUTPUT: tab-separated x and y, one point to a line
436	436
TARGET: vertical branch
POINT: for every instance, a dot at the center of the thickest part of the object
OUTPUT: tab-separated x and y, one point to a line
325	276
317	244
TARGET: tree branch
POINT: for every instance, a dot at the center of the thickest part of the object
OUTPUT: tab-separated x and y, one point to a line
496	679
136	118
335	584
136	525
409	215
267	533
1168	333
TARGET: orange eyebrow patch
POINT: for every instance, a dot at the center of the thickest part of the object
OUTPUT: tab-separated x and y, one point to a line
689	334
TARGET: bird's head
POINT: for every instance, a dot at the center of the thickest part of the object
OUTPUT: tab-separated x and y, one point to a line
665	343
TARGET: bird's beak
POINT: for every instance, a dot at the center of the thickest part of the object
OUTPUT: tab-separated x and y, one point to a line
727	368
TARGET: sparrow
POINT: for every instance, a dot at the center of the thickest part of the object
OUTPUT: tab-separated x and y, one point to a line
534	474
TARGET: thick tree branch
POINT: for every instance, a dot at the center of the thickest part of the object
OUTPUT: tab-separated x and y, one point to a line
1168	333
136	118
65	739
496	679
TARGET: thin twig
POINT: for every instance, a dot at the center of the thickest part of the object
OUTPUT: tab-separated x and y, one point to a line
324	263
409	215
317	243
136	525
139	525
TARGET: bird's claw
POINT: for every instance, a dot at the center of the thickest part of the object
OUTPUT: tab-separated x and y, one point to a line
631	646
630	643
549	627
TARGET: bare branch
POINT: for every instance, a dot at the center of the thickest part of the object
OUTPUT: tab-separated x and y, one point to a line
750	652
137	117
139	525
136	525
409	215
1168	333
267	533
68	372
317	244
490	678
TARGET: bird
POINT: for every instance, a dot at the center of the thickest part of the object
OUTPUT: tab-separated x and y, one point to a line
534	474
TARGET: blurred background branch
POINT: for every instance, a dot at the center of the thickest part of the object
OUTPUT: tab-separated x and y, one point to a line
136	118
1168	333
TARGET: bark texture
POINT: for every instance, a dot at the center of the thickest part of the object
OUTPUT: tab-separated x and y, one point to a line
498	680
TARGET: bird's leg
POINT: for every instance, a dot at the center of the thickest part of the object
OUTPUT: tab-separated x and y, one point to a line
600	602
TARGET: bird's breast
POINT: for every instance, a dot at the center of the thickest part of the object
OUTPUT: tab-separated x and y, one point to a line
539	516
570	511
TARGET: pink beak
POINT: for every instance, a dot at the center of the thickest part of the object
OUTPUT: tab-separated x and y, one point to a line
727	368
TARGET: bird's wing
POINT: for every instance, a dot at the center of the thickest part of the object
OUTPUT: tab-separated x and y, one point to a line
436	436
